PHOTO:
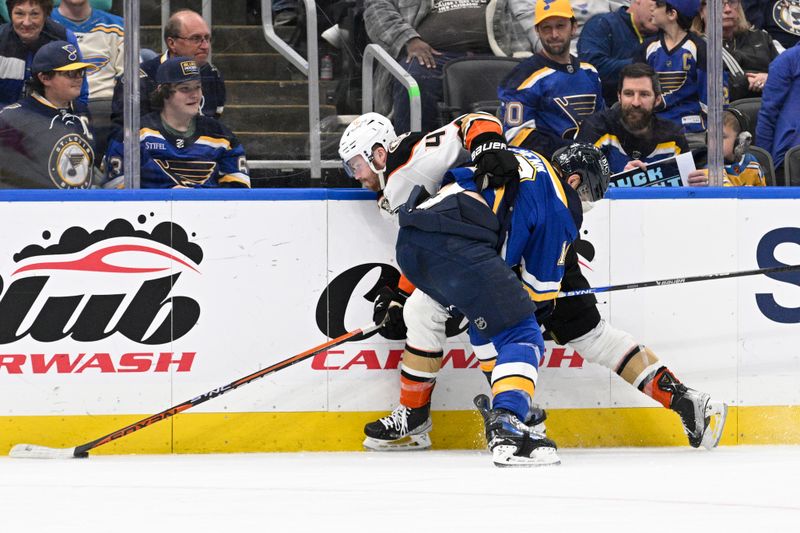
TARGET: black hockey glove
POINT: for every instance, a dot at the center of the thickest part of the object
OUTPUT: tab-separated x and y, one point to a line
496	165
390	302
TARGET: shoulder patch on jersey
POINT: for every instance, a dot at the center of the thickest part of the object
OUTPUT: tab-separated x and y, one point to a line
400	151
396	142
70	164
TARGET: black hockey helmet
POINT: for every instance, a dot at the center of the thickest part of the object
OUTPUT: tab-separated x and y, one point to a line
589	163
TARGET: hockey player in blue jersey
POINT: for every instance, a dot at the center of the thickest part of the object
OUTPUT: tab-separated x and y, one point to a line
179	147
392	166
500	308
547	96
679	58
448	247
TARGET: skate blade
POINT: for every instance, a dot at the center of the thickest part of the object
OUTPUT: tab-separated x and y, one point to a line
717	413
503	457
404	444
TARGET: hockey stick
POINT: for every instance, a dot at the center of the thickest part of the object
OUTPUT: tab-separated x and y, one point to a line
678	281
43	452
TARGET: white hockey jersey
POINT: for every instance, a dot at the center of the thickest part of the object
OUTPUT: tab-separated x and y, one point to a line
423	159
100	38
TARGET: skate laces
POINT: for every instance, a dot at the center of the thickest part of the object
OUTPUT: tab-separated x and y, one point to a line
398	419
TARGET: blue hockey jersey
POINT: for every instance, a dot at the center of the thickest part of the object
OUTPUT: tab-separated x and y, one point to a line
682	75
540	228
544	102
211	157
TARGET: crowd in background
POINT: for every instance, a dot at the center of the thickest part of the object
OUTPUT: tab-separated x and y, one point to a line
569	72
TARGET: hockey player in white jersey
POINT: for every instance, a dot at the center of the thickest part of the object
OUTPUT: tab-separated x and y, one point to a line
575	321
472	277
392	166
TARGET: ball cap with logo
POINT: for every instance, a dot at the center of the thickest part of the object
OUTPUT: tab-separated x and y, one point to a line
58	56
687	8
177	70
552	8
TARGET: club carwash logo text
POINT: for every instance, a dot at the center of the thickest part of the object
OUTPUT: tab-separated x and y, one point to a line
88	286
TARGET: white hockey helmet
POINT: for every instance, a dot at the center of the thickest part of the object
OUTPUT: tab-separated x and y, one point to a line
361	136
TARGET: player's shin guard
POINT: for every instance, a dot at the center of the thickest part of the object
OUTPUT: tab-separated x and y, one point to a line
514	378
703	418
519	351
408	426
418	373
487	359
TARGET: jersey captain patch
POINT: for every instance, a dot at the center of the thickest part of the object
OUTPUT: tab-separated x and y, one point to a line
70	163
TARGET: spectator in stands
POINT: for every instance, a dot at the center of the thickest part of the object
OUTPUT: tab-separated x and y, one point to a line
609	40
423	35
741	167
747	51
679	58
104	5
180	147
778	126
100	37
546	97
186	34
584	10
630	134
778	17
30	28
43	143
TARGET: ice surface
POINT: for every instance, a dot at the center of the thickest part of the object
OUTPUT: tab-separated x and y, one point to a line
676	490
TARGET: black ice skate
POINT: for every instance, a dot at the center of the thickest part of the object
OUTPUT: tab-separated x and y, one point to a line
404	429
535	420
703	419
513	443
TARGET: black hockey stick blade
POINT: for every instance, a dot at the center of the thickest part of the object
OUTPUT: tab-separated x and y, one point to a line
678	281
34	451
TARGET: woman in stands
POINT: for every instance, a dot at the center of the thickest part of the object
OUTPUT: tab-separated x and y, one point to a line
751	48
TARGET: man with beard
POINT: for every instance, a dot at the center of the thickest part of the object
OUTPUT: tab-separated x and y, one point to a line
630	135
547	96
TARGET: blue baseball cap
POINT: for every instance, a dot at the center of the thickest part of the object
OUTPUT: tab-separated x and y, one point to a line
58	55
177	70
687	8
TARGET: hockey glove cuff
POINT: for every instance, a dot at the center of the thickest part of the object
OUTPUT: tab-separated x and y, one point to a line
495	164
